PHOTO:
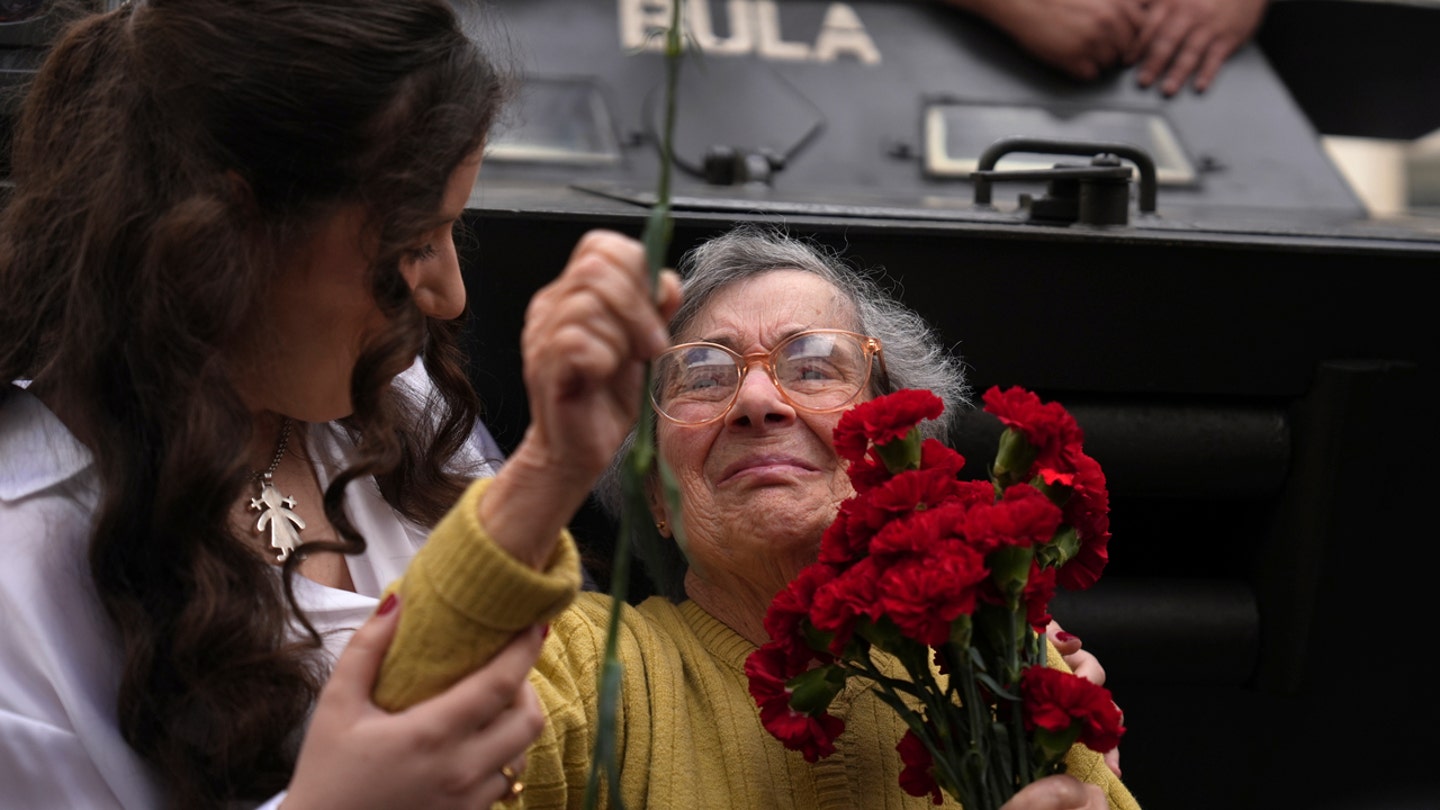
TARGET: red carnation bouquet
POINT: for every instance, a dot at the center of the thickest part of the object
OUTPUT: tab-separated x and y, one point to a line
937	591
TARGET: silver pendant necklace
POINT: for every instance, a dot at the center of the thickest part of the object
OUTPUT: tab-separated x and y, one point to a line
277	512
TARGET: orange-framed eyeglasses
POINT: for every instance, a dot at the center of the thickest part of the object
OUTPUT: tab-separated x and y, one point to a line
818	370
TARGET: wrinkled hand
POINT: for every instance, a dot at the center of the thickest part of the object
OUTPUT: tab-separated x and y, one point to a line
445	752
1086	665
587	337
1060	792
1182	39
1081	37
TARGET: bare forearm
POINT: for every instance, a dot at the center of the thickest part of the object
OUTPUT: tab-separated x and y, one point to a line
529	503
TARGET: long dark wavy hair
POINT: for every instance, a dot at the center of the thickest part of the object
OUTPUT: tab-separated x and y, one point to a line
167	154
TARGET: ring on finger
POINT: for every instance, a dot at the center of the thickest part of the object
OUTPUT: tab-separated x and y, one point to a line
516	786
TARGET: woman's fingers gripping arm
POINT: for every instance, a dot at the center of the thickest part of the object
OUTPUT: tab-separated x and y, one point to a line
442	753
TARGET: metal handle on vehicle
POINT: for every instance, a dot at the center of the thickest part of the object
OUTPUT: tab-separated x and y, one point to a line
984	177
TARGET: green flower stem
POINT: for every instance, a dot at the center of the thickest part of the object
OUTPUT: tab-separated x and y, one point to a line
981	755
977	719
639	462
944	764
1017	762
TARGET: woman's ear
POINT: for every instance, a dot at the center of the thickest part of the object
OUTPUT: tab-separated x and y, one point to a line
656	501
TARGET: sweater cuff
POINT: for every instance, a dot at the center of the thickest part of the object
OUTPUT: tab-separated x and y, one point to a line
461	599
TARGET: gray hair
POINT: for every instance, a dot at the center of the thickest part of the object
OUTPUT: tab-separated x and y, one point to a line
914	356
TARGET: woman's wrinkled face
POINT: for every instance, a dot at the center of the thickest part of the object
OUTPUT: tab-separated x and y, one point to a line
759	486
322	311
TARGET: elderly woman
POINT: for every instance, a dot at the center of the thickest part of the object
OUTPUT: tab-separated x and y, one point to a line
759	482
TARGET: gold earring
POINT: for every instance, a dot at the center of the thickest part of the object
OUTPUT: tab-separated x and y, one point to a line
662	527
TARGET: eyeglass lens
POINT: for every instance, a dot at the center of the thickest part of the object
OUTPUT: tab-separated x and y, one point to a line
821	370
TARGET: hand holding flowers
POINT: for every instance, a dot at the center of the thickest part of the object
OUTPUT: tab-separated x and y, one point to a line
936	591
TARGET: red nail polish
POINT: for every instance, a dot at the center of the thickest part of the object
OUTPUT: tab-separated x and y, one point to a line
544	632
387	605
1064	636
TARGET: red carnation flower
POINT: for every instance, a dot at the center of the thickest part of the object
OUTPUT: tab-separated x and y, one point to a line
910	491
934	455
867	474
1023	517
1055	700
840	603
1047	426
883	420
917	531
813	736
1039	590
789	609
918	776
924	593
848	536
971	493
767	670
1088	511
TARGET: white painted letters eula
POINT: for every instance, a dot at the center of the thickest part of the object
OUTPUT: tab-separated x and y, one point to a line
753	26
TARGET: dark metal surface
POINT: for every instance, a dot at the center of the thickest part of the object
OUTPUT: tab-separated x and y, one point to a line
1358	68
1256	149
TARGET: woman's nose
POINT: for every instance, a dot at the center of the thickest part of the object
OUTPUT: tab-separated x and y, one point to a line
439	290
758	401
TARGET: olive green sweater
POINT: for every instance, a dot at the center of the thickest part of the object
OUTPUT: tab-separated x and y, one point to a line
689	733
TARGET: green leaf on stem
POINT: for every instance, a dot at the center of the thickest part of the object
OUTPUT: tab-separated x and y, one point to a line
610	675
812	691
1010	570
817	639
1013	458
1053	745
962	631
883	634
1062	547
901	454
